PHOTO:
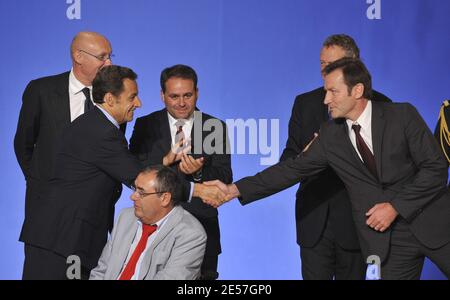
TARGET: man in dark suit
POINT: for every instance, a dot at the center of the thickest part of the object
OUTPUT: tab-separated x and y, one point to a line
49	105
391	165
325	229
75	208
180	126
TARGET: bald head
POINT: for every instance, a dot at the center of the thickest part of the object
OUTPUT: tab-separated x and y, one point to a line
90	51
87	40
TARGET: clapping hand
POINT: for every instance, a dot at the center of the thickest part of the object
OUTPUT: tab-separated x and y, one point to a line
190	165
176	153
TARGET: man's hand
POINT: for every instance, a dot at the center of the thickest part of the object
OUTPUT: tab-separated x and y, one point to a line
381	216
231	191
175	153
215	193
189	165
211	195
310	143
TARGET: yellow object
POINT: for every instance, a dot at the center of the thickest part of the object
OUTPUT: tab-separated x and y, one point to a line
444	133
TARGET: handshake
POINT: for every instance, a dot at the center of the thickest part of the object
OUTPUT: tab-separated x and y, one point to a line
215	193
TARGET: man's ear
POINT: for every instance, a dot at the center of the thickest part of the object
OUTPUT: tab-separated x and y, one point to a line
162	95
166	199
358	91
77	57
109	99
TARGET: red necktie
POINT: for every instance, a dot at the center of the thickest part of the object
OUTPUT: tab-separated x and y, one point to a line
367	156
147	230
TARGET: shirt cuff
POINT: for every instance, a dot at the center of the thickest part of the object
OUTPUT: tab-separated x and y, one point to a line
191	192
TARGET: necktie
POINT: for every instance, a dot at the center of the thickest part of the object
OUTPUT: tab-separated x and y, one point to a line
147	230
367	156
179	134
88	102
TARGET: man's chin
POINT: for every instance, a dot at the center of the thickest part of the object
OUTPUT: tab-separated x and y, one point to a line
335	116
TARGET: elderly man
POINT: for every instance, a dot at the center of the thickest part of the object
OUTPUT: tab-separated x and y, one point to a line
157	239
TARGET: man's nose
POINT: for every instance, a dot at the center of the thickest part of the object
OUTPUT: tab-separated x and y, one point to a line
138	102
327	99
108	62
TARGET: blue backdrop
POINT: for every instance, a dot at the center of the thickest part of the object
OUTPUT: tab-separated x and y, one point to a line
252	58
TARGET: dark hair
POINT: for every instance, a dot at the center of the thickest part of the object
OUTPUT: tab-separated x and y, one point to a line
354	72
179	71
345	42
110	80
167	180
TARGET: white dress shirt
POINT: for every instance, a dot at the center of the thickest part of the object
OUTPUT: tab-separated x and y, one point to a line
365	121
76	96
150	240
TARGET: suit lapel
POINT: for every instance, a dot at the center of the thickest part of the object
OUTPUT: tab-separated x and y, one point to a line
378	123
125	244
164	130
192	136
350	149
61	101
171	222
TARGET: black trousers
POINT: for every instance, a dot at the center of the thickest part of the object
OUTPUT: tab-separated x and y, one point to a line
327	260
208	269
43	264
407	255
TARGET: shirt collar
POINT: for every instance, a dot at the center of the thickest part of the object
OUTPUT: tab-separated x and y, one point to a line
75	86
110	118
365	119
172	120
161	222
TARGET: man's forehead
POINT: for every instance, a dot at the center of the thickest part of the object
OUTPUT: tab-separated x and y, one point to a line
334	75
146	179
130	84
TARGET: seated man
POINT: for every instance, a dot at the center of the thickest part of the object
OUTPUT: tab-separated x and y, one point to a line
156	240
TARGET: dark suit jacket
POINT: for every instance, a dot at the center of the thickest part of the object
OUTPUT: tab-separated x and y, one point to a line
411	168
321	197
44	114
76	206
151	141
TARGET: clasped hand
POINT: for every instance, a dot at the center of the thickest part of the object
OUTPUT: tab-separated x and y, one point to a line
215	193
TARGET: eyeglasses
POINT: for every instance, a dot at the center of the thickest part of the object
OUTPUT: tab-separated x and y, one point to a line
102	58
142	194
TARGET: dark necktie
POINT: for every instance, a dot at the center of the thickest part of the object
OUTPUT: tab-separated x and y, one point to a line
128	273
367	156
179	134
88	102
